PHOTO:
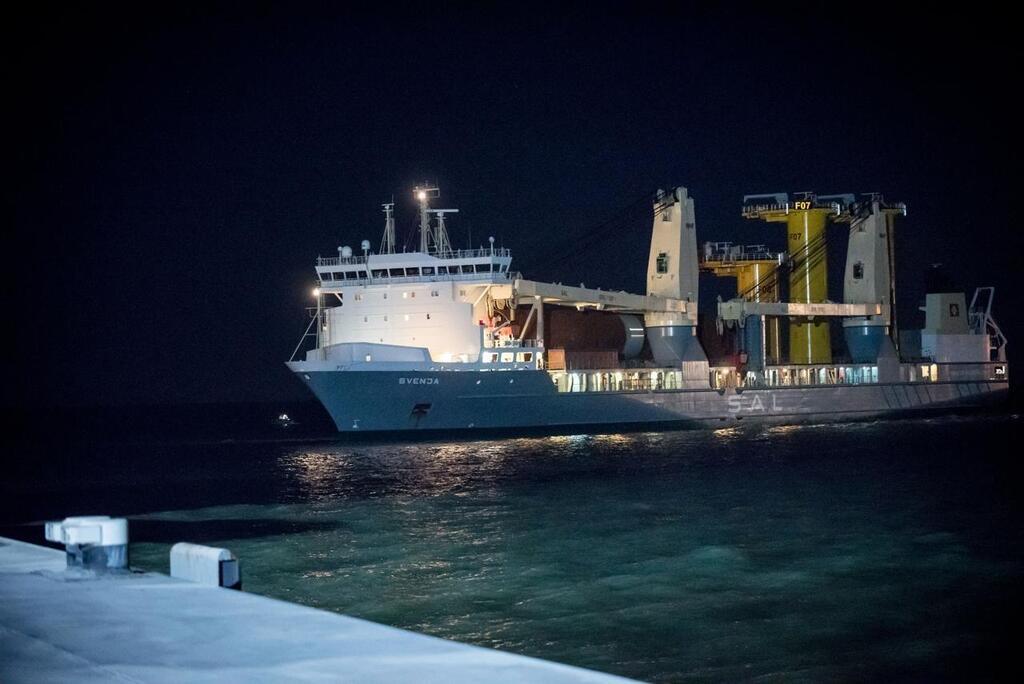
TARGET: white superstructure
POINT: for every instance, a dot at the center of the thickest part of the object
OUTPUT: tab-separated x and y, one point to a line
432	306
433	301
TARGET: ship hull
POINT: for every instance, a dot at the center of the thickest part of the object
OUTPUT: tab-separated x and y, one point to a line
396	401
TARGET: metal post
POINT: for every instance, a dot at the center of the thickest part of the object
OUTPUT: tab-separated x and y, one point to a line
319	317
540	322
894	330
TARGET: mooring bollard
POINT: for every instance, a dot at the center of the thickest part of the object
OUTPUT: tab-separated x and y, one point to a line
206	565
93	542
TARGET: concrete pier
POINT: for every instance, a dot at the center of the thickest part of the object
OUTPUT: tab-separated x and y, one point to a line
58	626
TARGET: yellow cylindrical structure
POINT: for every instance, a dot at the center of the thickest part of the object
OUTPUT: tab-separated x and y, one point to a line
748	275
809	340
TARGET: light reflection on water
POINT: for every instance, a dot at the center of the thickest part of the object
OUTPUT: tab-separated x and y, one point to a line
851	552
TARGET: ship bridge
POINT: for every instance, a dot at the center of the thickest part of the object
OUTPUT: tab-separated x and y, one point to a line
411	267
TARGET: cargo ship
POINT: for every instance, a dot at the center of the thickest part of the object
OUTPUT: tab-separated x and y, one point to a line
454	339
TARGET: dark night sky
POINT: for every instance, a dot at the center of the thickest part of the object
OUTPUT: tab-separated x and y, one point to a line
174	174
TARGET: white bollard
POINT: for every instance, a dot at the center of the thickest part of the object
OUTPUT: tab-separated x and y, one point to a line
205	565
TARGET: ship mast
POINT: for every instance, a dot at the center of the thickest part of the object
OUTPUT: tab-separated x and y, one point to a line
387	245
441	241
423	194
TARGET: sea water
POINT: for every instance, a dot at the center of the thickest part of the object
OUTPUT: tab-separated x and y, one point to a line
889	550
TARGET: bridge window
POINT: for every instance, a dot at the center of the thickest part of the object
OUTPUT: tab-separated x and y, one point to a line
396	272
327	275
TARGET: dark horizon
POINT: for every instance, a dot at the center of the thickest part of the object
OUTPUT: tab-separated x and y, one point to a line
175	175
